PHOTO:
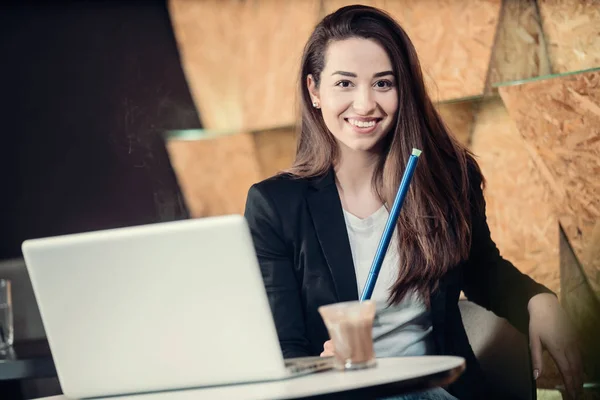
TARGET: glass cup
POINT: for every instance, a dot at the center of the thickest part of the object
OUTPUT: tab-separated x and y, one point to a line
350	327
6	316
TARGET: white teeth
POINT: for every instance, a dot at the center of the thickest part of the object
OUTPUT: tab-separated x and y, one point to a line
362	124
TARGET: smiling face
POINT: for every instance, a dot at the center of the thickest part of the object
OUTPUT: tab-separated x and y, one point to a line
357	93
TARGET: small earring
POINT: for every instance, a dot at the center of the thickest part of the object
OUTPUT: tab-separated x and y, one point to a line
315	104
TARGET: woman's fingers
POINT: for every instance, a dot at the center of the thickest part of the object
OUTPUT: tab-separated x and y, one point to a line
564	366
536	355
328	349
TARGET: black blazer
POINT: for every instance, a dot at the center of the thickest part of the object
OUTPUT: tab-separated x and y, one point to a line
302	245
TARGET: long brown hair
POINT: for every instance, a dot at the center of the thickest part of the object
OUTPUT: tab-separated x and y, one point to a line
434	227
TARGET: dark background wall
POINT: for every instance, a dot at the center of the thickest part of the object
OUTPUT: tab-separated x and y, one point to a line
86	91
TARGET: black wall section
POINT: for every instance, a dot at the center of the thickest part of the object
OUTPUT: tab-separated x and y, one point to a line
86	91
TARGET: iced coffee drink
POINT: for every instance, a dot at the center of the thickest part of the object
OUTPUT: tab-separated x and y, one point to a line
350	326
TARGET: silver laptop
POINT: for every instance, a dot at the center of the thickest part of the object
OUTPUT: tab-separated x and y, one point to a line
157	307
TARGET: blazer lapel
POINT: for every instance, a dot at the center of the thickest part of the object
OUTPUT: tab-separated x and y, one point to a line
328	217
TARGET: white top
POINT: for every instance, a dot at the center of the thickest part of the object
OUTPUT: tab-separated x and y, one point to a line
388	370
399	330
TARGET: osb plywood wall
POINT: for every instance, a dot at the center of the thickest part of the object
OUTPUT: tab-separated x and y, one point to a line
581	303
241	64
519	204
275	150
209	53
241	58
560	120
572	29
520	48
453	38
458	117
215	174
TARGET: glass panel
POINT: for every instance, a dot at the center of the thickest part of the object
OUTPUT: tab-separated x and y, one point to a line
538	78
196	134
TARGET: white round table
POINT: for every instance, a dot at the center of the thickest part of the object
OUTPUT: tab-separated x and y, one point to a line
391	376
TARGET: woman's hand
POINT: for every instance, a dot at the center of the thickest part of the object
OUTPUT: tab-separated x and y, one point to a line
327	349
550	328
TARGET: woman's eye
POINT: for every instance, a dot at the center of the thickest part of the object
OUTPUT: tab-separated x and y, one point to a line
344	84
384	84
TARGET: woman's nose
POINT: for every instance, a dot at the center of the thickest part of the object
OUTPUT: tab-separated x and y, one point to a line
364	101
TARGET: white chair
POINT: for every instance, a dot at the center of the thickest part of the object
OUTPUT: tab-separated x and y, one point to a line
502	351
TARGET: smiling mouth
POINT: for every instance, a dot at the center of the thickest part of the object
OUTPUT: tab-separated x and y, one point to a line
363	123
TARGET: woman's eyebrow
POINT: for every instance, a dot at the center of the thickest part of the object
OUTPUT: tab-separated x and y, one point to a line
353	75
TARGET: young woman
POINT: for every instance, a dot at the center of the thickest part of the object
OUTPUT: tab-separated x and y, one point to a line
316	227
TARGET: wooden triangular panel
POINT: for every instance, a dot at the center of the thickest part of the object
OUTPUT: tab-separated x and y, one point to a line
560	121
519	204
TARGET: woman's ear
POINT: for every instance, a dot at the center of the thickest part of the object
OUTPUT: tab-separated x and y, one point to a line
313	90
